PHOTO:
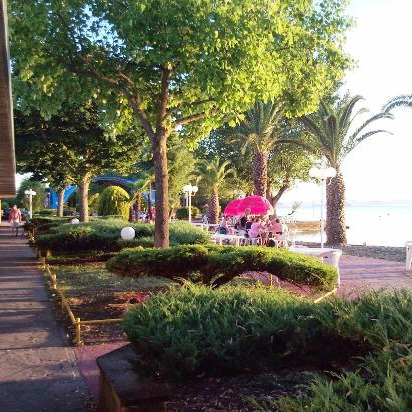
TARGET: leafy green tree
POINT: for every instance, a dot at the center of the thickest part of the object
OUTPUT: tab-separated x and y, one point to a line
213	174
114	200
181	165
181	65
31	157
288	164
72	146
336	133
38	199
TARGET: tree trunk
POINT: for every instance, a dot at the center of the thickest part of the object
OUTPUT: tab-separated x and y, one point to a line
214	207
162	192
84	198
60	202
335	211
275	199
260	172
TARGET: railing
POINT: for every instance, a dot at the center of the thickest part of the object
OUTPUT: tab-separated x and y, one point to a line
65	306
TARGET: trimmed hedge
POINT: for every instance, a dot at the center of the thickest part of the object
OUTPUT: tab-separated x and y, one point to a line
219	264
196	329
114	200
104	235
183	212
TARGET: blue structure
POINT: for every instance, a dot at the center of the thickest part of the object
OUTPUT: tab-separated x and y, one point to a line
125	183
53	199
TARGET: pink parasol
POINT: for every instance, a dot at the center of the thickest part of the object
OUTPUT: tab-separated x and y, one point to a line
232	207
258	205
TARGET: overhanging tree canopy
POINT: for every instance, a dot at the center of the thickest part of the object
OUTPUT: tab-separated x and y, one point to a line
170	64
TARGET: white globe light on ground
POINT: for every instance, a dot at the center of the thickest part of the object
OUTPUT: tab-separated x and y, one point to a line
75	221
128	233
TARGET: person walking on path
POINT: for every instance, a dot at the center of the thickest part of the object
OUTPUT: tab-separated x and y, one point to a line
15	220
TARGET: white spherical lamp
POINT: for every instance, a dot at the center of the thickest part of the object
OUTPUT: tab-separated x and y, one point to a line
75	221
127	233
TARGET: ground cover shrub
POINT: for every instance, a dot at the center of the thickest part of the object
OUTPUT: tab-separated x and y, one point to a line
104	235
383	380
220	264
183	212
46	212
39	224
196	329
114	200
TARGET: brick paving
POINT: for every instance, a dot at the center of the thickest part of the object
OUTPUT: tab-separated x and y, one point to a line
38	370
363	273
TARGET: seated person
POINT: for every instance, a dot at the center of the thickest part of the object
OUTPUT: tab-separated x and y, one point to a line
277	227
255	228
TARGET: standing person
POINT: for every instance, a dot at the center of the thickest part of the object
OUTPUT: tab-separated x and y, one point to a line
244	219
15	220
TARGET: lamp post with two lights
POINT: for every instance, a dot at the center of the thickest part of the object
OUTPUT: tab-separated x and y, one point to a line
190	191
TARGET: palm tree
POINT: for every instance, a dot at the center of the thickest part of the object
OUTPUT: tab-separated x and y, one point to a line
259	131
404	100
213	174
334	137
144	182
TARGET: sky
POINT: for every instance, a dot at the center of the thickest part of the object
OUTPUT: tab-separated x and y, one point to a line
378	169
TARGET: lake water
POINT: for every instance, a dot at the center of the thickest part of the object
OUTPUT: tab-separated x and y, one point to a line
378	224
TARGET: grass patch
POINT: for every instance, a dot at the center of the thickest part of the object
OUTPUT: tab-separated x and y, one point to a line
95	276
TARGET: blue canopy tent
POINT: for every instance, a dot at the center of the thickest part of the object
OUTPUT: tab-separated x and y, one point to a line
125	183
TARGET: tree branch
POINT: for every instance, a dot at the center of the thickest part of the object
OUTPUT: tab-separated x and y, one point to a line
189	119
193	104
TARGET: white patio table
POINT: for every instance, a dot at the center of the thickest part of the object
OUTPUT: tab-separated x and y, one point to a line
328	255
220	238
205	226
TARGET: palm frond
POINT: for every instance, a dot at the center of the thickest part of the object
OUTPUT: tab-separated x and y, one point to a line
345	115
404	100
379	116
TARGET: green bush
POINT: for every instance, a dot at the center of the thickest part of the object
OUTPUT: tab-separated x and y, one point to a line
183	212
46	212
114	200
383	380
197	329
220	264
104	235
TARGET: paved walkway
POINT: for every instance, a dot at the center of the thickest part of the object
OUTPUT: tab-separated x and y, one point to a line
38	370
360	273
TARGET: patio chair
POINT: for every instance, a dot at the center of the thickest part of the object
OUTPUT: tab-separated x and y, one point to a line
408	246
332	258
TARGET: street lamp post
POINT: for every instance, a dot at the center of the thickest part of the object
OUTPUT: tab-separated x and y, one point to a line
190	191
30	193
322	175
